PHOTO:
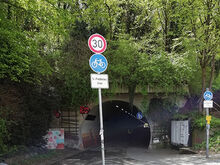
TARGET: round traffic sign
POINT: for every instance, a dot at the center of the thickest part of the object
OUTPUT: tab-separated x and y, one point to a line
139	115
208	95
98	63
97	43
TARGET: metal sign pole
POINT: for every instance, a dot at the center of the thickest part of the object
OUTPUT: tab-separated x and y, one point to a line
101	127
98	64
207	134
207	130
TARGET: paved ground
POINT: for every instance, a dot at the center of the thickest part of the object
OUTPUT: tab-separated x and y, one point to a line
170	157
139	156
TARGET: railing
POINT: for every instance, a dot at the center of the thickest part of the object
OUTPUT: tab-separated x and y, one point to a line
69	122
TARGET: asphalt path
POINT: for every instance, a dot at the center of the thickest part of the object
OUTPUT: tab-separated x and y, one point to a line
122	155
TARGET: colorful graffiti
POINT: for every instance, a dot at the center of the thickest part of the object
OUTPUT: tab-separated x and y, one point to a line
55	139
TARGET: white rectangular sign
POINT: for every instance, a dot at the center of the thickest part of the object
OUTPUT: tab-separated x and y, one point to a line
208	104
99	81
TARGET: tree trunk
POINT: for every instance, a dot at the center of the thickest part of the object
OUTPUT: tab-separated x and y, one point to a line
212	72
203	79
110	20
203	89
131	92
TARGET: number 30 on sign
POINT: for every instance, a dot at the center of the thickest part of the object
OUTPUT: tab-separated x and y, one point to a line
97	43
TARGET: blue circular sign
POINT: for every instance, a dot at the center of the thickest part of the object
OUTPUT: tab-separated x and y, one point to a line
139	115
98	63
208	95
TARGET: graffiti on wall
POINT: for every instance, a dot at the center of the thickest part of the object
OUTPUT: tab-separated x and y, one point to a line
55	138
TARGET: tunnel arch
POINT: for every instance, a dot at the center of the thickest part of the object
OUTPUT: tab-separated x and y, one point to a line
121	127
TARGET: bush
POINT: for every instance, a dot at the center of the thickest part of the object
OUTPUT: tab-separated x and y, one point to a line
4	136
27	120
215	142
36	121
199	122
6	125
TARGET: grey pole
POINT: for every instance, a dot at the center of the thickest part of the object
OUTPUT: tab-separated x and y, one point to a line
101	127
207	131
207	134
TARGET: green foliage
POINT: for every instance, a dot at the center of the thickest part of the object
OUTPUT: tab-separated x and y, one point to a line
200	36
95	14
163	71
36	120
214	143
26	123
73	71
199	121
30	33
19	54
145	106
4	135
37	158
216	83
194	83
124	62
76	90
14	60
178	116
6	124
170	105
161	45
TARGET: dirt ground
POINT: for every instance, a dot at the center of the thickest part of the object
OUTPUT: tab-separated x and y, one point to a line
47	157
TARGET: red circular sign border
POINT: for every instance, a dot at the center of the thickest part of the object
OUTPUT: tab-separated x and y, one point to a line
103	39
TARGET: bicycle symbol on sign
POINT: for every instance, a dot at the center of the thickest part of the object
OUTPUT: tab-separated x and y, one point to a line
208	95
98	62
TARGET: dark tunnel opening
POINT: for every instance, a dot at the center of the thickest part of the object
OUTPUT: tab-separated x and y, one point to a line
121	126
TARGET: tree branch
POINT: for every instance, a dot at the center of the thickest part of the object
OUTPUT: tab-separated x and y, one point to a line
161	21
212	72
110	19
12	4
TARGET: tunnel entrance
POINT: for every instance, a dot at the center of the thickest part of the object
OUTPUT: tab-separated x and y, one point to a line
121	127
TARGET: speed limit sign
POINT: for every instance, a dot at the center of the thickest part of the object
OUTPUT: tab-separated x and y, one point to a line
97	43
